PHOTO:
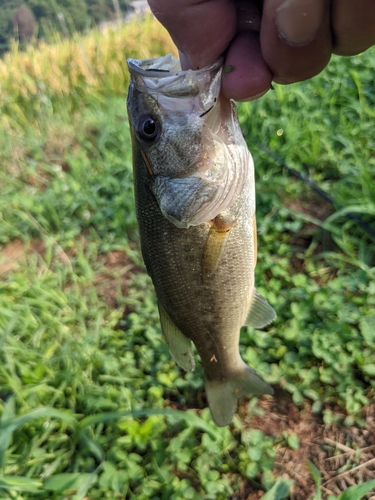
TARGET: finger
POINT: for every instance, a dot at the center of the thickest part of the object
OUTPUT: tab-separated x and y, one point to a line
201	30
249	76
353	26
248	15
295	37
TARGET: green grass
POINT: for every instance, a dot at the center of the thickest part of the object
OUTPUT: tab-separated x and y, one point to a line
88	391
321	128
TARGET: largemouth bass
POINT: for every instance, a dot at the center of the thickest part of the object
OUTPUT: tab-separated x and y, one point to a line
195	204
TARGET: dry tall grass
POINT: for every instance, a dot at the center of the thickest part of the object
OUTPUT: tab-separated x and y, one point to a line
66	75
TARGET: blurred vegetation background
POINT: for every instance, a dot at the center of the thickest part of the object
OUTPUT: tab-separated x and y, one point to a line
91	404
27	20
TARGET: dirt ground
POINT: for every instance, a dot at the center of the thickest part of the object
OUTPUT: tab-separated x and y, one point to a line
345	456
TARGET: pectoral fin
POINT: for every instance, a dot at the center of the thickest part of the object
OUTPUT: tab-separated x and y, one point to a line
261	313
215	245
179	345
213	251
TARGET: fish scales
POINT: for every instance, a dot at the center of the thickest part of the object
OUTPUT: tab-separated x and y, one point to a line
195	204
198	307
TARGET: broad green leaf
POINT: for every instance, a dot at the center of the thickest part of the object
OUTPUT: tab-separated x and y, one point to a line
358	491
369	369
61	483
119	480
255	437
254	453
85	485
279	490
293	441
252	469
367	326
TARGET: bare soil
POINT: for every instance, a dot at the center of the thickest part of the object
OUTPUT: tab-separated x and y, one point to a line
345	456
114	277
14	253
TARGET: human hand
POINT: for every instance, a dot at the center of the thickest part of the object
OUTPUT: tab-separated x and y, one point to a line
281	40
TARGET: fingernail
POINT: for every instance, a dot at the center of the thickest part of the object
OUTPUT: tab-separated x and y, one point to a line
298	21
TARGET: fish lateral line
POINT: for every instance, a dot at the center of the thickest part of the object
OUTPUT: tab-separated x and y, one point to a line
147	163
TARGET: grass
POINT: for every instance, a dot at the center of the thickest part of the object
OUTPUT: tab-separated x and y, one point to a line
91	404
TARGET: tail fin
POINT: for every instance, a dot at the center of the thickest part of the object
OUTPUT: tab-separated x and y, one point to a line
222	396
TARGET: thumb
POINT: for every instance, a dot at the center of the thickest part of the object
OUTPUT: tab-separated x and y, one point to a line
201	30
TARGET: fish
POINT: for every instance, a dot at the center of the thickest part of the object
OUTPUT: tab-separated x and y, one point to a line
195	205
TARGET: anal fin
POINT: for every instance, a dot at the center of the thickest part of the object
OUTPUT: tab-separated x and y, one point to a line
261	313
179	345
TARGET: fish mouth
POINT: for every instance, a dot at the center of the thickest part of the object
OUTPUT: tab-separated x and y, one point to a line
162	76
154	67
167	66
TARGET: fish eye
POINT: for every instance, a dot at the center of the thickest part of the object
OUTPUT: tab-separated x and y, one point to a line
148	128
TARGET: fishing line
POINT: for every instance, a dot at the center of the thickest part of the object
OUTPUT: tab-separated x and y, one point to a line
278	159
